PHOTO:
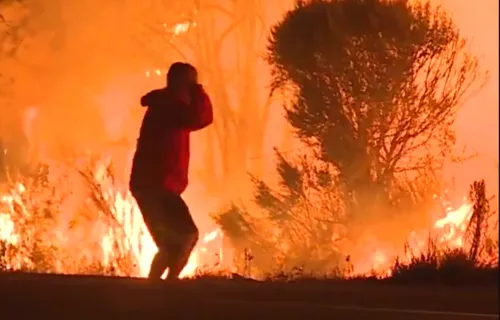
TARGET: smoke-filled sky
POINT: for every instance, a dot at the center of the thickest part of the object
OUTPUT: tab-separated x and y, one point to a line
477	123
108	40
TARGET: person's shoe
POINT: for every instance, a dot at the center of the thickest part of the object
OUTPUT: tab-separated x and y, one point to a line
172	280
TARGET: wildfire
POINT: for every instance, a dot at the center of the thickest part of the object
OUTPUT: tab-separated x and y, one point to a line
174	30
125	231
449	232
136	238
180	28
126	226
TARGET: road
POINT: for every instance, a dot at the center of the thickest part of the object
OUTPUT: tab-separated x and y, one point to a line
25	296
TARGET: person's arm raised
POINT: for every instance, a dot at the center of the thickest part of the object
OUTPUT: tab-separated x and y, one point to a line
196	115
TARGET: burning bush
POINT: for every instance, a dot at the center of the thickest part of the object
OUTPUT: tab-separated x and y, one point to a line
300	224
74	218
27	222
375	87
52	220
475	261
305	234
303	227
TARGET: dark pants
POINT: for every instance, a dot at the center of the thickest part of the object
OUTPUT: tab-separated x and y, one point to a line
171	226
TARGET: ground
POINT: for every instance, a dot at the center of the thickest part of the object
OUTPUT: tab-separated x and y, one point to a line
81	297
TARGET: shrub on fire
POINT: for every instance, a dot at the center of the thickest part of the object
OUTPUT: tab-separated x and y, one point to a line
376	86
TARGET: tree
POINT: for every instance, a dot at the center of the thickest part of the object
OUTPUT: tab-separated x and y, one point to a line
376	88
378	84
225	45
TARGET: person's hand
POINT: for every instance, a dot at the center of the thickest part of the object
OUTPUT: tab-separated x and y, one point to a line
195	90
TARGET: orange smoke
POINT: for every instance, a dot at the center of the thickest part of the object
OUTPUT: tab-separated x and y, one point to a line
448	231
478	20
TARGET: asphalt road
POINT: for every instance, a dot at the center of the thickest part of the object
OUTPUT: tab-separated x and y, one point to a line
29	296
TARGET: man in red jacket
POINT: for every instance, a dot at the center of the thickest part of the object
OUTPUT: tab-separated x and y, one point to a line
160	166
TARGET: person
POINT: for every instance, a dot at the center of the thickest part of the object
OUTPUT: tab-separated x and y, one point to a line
160	166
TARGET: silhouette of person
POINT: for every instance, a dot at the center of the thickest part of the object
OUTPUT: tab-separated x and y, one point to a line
160	166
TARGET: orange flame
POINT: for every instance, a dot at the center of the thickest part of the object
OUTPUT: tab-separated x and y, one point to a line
448	233
137	239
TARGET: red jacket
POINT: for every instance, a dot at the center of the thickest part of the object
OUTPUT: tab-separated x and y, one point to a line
161	160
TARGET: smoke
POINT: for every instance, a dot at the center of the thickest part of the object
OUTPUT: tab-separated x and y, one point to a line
477	122
83	63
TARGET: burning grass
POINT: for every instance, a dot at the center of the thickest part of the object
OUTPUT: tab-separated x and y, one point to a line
46	228
471	257
78	222
475	261
396	245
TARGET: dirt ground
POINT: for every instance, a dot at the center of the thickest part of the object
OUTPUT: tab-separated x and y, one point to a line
29	296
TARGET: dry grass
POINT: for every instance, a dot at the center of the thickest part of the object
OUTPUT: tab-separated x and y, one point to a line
451	267
36	213
34	203
478	264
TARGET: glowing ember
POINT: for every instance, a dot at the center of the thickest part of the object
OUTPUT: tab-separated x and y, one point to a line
180	28
176	30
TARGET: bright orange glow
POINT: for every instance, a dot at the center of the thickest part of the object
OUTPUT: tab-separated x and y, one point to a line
377	257
448	233
58	115
137	240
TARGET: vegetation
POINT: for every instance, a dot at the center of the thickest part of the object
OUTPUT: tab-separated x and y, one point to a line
475	265
225	45
53	228
376	85
36	214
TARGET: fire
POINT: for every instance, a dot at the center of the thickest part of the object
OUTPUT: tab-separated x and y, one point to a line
174	30
132	235
137	239
7	228
180	28
142	244
447	233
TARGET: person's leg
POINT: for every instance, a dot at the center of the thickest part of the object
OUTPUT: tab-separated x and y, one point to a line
183	235
180	256
151	206
160	261
159	265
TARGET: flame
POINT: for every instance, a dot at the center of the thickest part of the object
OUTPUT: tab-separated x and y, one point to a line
132	236
141	242
175	30
136	240
180	28
447	232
